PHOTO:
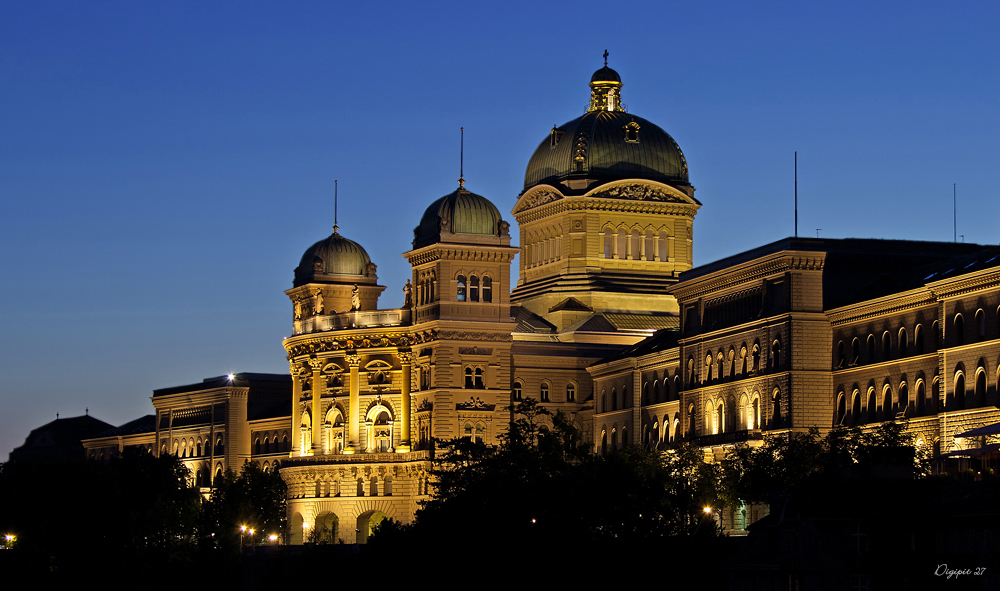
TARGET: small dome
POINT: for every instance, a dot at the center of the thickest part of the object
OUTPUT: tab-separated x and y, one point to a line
335	255
461	212
605	74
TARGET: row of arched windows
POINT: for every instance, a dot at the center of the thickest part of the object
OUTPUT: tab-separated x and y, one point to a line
544	392
875	350
474	289
542	249
615	400
635	244
271	444
189	448
722	416
732	365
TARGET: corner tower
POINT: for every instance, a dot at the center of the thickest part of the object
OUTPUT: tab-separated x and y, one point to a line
606	215
461	319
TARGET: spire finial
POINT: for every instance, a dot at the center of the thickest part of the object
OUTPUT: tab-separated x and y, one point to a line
605	58
335	226
461	161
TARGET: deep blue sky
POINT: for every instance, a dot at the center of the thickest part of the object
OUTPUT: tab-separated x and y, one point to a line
164	165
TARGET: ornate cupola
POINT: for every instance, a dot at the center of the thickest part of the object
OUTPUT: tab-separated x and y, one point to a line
606	89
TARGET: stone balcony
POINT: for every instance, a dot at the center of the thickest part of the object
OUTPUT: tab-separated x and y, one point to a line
359	319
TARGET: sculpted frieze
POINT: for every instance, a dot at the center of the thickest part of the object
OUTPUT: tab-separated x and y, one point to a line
639	193
536	199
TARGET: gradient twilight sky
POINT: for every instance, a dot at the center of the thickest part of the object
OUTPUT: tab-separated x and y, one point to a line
164	165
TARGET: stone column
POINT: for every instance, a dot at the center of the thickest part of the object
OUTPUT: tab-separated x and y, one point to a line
405	362
318	387
353	361
293	368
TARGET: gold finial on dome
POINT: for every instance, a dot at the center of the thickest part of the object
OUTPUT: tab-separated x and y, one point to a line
605	89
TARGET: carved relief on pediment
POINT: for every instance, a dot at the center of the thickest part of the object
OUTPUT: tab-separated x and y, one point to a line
537	198
637	192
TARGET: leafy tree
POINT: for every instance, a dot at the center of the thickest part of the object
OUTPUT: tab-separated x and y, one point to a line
254	499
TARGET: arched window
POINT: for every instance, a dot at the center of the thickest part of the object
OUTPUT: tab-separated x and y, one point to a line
473	288
886	346
903	400
256	447
543	392
604	401
886	403
608	243
635	245
841	355
461	288
980	393
570	392
621	244
614	401
517	391
841	409
959	330
871	410
626	401
487	289
871	349
918	401
644	398
981	323
918	339
958	396
776	354
855	352
902	342
468	378
855	408
479	384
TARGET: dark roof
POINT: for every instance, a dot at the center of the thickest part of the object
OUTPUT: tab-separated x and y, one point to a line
59	440
607	154
855	269
244	379
660	341
146	424
571	305
528	321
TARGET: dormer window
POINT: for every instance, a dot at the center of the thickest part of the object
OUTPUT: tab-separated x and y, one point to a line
632	133
554	136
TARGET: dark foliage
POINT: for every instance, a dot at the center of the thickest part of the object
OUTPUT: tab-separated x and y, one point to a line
254	499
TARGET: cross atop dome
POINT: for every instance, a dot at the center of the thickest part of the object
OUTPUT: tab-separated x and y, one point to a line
606	89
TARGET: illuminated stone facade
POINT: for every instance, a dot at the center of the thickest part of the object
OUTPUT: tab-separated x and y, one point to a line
608	323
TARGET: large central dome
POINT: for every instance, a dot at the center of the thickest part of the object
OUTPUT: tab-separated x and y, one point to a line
606	144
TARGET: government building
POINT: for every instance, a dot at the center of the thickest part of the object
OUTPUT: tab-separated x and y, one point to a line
608	323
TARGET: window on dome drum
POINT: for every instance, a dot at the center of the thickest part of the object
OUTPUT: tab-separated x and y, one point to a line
473	288
517	391
543	393
487	289
460	293
570	392
632	133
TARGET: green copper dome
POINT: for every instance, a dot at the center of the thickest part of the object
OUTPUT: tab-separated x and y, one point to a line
458	213
335	255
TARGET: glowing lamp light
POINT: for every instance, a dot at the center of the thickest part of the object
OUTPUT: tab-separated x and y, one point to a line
231	376
273	538
243	528
707	510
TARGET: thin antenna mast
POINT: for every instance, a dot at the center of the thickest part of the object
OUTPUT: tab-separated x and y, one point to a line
797	195
335	226
954	210
461	161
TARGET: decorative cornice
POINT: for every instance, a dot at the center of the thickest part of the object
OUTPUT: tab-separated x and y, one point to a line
536	197
726	280
946	289
881	307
